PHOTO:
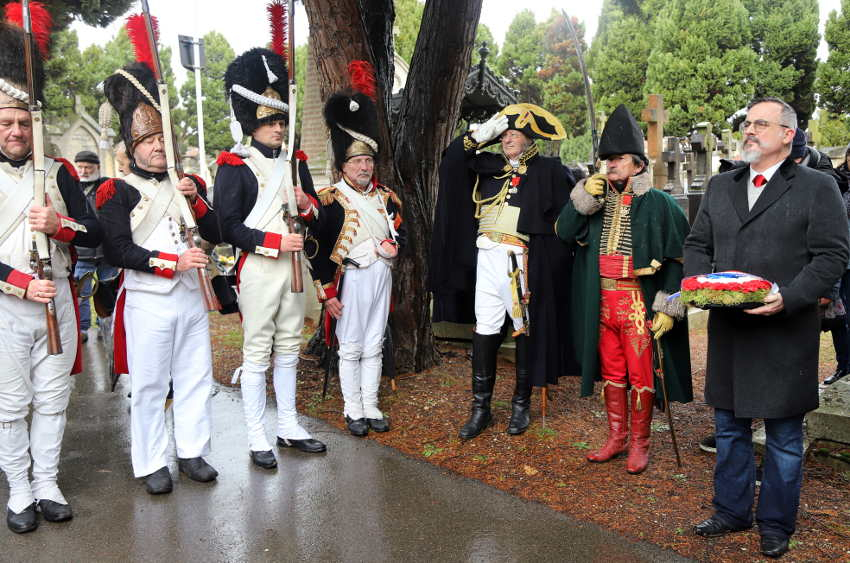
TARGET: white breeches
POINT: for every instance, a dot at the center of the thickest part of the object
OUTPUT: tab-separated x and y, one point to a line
28	375
493	294
366	307
272	316
168	338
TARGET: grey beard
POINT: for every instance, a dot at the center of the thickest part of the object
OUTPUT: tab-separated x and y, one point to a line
750	155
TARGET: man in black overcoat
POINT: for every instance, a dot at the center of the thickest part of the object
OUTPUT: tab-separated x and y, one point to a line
786	223
491	206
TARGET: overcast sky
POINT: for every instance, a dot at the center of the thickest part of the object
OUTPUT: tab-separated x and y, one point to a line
244	23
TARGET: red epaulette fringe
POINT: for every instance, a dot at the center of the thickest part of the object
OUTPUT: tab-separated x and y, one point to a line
105	193
229	158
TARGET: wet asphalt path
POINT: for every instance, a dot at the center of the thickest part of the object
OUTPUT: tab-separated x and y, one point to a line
359	502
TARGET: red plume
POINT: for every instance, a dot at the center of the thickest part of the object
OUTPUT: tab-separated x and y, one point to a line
363	78
138	33
40	20
277	20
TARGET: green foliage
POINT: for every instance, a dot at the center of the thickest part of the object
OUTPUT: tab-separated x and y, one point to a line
216	110
700	62
71	73
431	449
785	37
833	82
830	130
560	74
408	16
522	57
483	34
618	57
98	13
576	150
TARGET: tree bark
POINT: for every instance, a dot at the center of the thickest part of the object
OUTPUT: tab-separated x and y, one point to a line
345	30
428	115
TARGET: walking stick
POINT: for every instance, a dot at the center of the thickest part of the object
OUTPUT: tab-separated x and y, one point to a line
544	403
659	371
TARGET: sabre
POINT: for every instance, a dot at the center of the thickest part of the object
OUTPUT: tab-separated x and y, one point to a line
591	113
175	170
40	253
515	274
659	372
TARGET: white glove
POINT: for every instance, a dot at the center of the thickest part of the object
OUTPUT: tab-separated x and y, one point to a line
491	128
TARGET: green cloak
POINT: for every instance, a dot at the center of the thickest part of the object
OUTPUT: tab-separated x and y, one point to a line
659	227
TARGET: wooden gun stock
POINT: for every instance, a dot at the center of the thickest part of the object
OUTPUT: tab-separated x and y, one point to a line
297	285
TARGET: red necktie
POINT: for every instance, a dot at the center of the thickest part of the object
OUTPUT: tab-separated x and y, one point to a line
759	181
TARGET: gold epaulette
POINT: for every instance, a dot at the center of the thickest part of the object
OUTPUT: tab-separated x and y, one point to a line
390	194
327	195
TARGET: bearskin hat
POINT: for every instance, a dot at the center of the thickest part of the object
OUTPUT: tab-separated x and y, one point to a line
352	119
12	55
137	113
257	84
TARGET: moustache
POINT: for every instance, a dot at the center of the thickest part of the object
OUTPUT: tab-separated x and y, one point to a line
751	139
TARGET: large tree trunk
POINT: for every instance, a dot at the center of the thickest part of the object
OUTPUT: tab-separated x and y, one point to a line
428	115
345	30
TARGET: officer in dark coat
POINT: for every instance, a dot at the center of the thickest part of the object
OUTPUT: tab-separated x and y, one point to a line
490	205
786	223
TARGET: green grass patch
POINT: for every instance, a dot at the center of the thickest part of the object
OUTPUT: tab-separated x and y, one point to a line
431	449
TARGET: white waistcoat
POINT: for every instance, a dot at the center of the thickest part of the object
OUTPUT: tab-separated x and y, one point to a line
164	235
365	223
15	250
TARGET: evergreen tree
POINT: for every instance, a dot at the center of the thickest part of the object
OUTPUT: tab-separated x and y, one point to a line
522	57
702	62
408	16
834	74
785	37
563	84
619	55
99	13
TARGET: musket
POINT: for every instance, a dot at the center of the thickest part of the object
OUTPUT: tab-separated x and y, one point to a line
291	212
659	372
40	253
175	169
591	113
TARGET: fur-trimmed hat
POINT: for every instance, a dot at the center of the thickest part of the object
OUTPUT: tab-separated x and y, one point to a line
13	74
133	93
256	83
621	135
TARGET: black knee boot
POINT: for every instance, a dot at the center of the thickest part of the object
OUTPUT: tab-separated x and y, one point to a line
521	403
484	350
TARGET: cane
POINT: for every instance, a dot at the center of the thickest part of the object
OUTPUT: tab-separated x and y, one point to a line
659	354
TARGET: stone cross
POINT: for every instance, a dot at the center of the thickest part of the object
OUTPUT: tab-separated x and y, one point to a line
702	145
673	157
655	116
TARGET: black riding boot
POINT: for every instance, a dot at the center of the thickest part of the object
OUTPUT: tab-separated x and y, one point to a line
484	350
521	403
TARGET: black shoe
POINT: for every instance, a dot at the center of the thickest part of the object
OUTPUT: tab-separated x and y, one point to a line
159	482
708	444
839	373
265	459
521	402
55	511
484	350
24	522
197	469
714	527
307	445
774	546
358	427
379	424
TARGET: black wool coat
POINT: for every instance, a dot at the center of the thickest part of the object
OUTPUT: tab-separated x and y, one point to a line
796	236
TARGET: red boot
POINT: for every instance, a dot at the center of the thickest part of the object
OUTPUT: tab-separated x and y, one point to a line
616	404
642	404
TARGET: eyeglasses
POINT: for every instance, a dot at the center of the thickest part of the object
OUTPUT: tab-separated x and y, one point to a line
759	125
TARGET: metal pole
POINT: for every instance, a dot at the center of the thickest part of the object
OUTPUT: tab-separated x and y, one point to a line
202	153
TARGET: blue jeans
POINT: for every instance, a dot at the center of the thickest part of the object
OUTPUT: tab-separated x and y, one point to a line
735	473
104	272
